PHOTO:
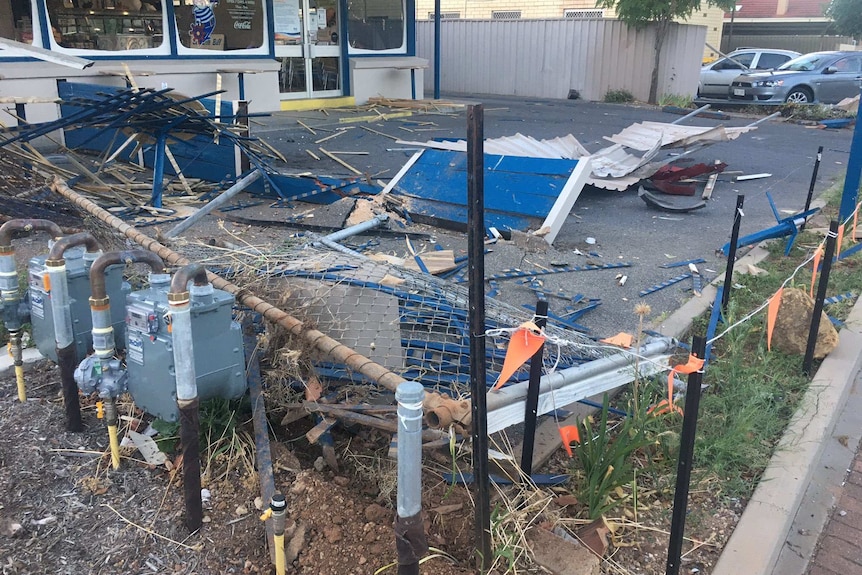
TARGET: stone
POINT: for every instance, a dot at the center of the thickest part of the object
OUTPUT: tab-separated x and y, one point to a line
377	514
794	322
561	556
296	544
332	533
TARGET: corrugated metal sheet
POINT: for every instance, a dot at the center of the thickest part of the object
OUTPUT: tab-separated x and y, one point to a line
547	58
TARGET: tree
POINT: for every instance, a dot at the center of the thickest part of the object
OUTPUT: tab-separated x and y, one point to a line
639	13
847	15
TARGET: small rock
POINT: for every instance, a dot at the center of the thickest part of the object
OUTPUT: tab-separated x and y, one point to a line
206	519
258	503
241	510
842	513
376	513
319	464
296	544
362	560
332	533
341	480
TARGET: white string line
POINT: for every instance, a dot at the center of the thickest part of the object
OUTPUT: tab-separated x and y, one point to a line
765	304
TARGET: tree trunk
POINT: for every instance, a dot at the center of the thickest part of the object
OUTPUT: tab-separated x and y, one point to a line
661	29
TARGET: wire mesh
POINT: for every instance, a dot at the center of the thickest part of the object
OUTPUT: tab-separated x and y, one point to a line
414	324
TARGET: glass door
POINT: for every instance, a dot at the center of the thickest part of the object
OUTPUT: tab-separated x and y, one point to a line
307	44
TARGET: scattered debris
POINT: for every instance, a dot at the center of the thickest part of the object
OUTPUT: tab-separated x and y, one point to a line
667	204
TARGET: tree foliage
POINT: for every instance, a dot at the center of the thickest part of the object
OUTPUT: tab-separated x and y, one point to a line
661	13
847	15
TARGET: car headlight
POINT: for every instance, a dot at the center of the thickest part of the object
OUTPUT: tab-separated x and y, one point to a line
768	83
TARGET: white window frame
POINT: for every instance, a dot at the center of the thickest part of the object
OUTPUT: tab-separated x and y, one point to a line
165	47
183	50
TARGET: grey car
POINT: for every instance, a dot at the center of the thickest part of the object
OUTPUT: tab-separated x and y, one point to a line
819	77
715	78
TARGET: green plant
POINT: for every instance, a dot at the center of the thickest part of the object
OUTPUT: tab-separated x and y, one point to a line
618	97
605	459
678	100
812	112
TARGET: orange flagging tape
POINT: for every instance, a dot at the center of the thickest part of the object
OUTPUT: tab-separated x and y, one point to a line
772	315
817	255
522	345
666	405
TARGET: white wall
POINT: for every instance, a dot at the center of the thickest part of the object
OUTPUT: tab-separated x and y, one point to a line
547	58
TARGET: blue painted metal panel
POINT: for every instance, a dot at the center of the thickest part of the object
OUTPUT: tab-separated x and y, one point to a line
516	189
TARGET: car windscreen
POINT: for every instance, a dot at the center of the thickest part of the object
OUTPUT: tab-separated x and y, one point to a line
805	63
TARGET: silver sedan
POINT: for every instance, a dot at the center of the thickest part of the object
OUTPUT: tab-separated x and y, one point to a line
819	77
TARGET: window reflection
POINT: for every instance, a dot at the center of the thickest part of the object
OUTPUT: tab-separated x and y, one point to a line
376	24
106	24
220	24
16	23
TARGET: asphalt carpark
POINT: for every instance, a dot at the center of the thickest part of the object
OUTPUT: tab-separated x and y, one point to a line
625	228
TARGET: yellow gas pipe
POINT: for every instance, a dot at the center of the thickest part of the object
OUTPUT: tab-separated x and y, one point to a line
112	420
277	512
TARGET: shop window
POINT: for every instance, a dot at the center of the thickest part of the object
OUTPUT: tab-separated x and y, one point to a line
16	20
111	25
220	24
376	26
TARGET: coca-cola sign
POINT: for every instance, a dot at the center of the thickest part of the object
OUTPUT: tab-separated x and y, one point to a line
242	25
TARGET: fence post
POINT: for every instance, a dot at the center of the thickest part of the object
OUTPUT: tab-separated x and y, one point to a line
476	296
731	253
811	185
686	455
831	240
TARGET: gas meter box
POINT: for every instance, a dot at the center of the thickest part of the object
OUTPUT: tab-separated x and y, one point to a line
78	279
217	341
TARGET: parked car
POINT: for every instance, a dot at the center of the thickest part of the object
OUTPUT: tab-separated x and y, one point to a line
715	78
819	77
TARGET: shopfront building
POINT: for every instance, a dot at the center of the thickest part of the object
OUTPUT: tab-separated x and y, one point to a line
277	54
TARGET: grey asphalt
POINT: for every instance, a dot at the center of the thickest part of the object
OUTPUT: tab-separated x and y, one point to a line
624	227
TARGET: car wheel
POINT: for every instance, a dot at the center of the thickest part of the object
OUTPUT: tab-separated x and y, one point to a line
799	96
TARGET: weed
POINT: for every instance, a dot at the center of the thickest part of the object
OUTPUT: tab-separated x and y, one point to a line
812	112
678	100
606	461
618	97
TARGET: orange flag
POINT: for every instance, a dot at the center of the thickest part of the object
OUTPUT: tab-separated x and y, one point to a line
523	344
568	434
817	255
839	240
771	315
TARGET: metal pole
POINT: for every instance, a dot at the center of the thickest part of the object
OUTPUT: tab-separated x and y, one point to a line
692	114
811	185
263	454
437	36
831	240
686	455
478	385
731	253
854	173
532	405
216	203
410	542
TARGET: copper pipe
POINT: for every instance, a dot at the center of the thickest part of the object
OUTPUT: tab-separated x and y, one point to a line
26	225
60	246
98	291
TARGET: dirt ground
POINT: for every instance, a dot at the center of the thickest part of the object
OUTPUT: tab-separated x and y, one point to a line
63	509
